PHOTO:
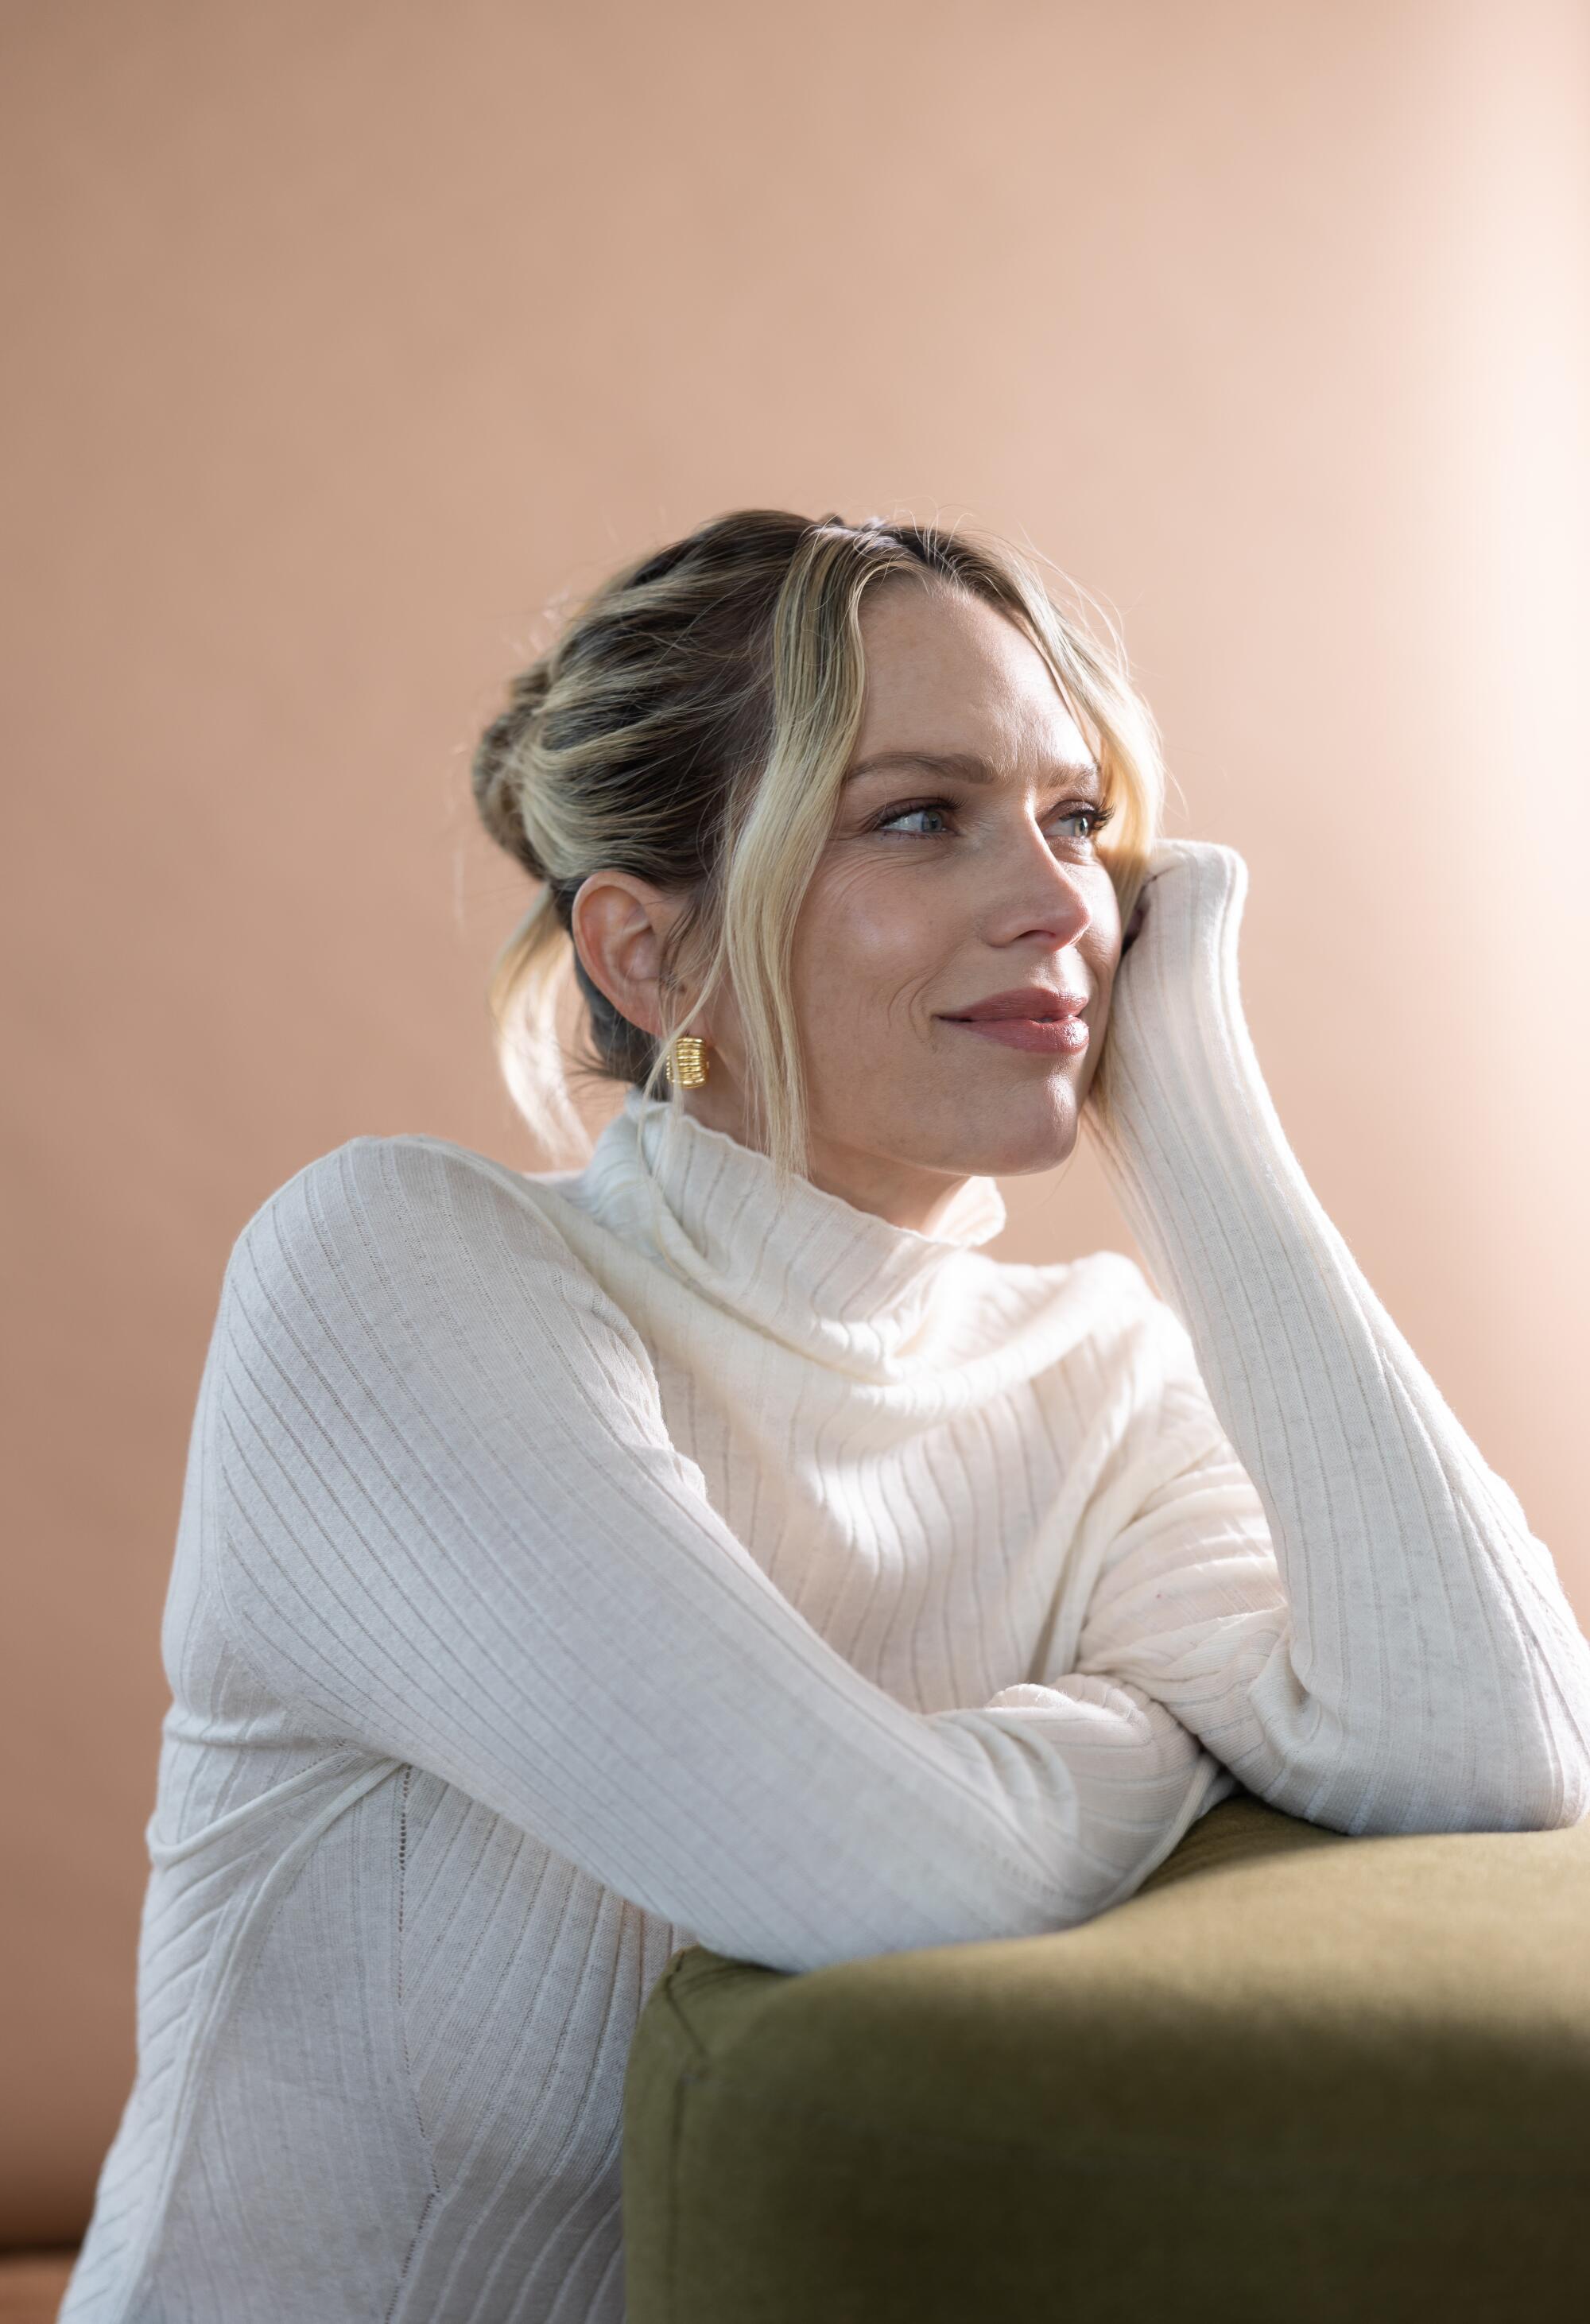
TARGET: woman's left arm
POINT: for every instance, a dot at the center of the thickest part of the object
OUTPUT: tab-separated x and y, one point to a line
1433	1674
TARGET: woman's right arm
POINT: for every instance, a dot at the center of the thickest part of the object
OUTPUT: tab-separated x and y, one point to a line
457	1532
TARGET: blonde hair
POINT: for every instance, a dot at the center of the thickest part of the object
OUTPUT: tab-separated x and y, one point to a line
690	725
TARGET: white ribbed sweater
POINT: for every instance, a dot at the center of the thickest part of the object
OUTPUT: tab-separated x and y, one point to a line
561	1581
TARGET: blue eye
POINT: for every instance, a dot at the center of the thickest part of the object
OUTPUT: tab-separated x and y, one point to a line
895	814
1098	817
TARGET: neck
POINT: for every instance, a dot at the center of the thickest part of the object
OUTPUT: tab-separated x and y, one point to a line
903	1194
798	1265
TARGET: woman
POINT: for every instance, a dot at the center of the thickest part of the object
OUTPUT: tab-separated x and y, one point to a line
714	1542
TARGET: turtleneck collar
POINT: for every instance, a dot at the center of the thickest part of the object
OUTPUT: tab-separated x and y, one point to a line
808	1267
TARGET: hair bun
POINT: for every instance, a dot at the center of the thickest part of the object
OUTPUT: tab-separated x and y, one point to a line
497	771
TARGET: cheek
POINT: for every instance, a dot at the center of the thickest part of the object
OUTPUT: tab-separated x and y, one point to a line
868	944
864	940
1100	941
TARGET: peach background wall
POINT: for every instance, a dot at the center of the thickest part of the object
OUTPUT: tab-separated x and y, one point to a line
341	337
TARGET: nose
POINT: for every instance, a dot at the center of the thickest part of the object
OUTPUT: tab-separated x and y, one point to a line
1035	893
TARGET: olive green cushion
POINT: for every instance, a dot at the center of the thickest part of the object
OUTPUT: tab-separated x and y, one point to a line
1296	2077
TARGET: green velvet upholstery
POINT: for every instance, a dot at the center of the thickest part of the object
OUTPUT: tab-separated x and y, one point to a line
1296	2077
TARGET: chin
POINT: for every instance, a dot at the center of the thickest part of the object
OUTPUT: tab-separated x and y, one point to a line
1038	1133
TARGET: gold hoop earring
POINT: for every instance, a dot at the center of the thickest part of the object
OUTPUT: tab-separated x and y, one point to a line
686	1061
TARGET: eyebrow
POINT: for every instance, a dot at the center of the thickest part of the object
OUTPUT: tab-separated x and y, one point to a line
964	763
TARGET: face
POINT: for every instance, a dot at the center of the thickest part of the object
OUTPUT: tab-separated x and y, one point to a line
938	890
940	887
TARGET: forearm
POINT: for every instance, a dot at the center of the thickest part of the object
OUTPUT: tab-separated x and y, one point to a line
1435	1675
1139	1779
450	1526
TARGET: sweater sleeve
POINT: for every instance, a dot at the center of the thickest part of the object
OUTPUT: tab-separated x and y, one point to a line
1334	1591
455	1531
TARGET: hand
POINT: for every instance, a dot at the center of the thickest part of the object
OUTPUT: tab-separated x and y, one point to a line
1164	858
1177	935
1205	866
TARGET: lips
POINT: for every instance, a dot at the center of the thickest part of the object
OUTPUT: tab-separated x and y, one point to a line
1041	1003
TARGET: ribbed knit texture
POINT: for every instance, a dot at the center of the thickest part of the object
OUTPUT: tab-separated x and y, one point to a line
573	1567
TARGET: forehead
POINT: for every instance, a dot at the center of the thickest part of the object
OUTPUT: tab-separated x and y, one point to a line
950	679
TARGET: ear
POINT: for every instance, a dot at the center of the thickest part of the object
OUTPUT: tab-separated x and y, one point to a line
618	923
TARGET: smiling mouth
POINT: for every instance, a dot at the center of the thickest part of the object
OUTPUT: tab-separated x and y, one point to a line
1050	1036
